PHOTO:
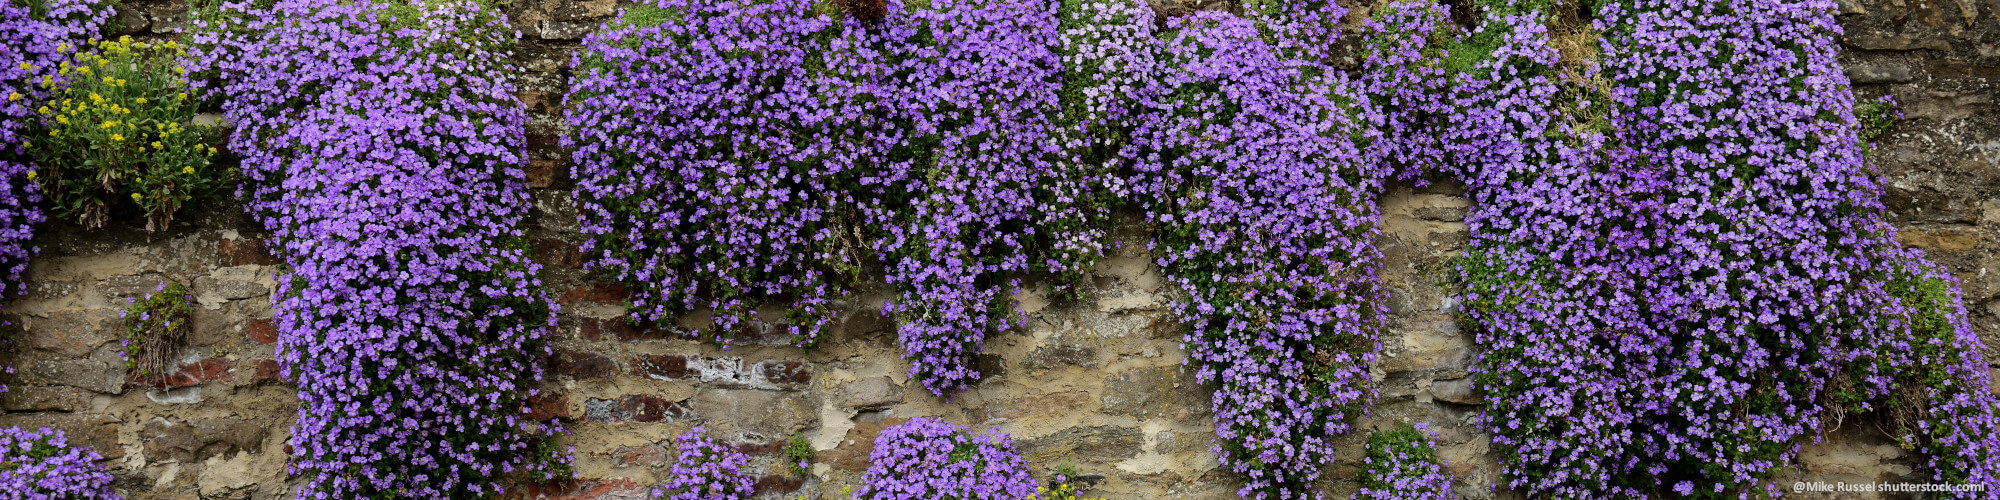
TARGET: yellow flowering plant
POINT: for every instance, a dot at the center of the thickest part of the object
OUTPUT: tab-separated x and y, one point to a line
121	127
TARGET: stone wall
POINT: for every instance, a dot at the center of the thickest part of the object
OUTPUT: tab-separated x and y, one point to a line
1097	383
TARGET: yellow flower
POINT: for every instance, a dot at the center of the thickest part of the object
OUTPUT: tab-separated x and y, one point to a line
109	124
31	175
44	110
184	170
55	133
27	66
62	119
83	69
156	145
14	96
117	137
142	100
109	79
137	197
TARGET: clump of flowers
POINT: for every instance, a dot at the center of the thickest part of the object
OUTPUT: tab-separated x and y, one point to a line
934	459
120	126
41	464
805	146
701	165
155	329
1402	464
706	470
1678	264
1248	164
384	148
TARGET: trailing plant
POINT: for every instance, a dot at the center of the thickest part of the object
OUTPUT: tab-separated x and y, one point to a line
921	141
155	330
706	470
1678	266
1402	464
41	464
1250	167
934	459
383	146
121	125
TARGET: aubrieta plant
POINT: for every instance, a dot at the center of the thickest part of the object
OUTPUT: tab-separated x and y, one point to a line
1251	169
934	459
738	152
41	465
384	146
1402	464
706	470
155	329
1679	266
120	126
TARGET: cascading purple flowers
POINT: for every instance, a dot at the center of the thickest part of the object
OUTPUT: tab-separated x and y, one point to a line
1679	266
40	464
739	152
1249	164
701	163
706	470
384	146
934	459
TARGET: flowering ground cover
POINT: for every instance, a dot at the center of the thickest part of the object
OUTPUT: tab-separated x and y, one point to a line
928	458
383	146
1402	464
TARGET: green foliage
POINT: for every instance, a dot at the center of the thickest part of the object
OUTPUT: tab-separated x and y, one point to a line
798	453
121	127
155	328
1875	118
1384	448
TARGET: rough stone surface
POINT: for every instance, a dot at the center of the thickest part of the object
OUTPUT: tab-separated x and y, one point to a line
1098	382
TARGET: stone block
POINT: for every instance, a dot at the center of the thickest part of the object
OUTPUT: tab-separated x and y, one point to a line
20	398
1155	392
646	455
1100	444
637	408
1879	72
1459	391
767	413
583	365
868	393
71	334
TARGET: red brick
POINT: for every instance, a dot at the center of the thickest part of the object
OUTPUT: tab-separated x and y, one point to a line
548	405
584	365
661	366
187	375
773	483
603	293
785	373
262	331
268	373
244	252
